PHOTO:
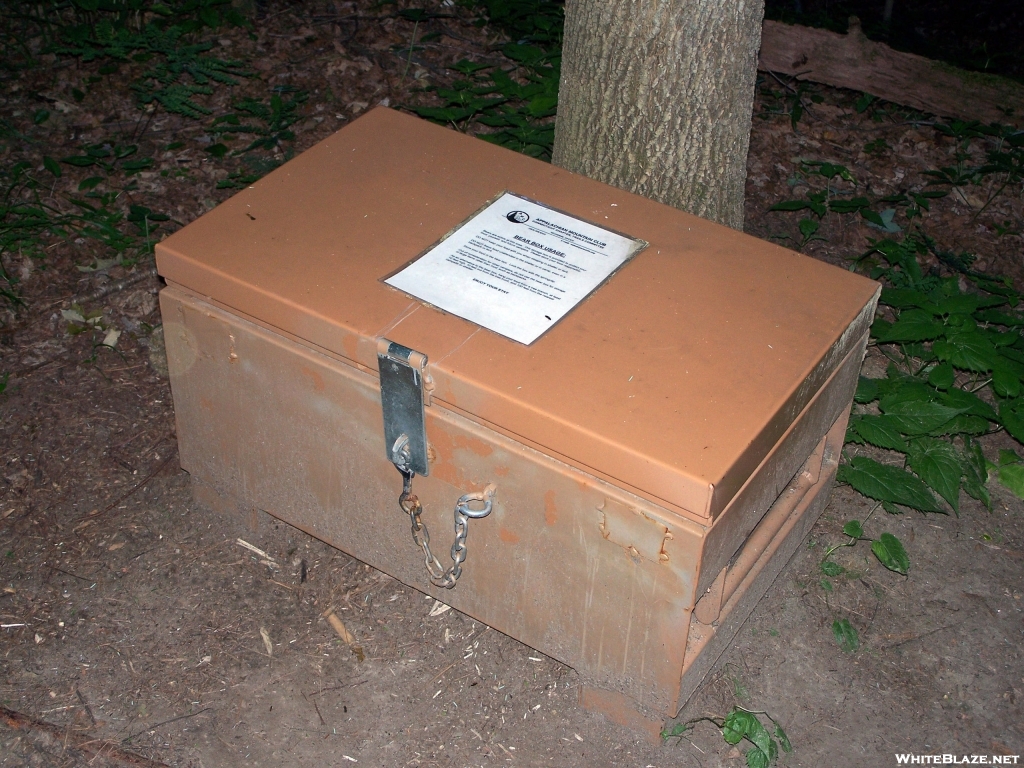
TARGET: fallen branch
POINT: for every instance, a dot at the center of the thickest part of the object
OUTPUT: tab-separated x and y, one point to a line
852	61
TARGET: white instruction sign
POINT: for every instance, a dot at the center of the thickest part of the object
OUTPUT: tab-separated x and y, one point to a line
516	267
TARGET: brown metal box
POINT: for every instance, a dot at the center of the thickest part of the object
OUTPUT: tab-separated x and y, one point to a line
656	456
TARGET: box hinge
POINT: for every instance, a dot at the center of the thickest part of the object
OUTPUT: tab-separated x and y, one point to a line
402	374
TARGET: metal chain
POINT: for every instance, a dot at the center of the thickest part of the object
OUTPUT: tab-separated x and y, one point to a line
410	504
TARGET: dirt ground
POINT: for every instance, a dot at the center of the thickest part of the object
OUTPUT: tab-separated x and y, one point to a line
137	630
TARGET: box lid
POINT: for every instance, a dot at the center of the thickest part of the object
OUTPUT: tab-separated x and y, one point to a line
674	379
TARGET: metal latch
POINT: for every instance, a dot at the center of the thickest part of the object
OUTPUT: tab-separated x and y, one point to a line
402	378
401	398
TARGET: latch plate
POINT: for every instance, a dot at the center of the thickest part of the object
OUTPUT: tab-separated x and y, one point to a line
401	396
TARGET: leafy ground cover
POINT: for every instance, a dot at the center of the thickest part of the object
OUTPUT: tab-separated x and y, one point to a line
130	618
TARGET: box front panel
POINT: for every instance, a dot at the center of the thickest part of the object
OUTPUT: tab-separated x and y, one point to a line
566	563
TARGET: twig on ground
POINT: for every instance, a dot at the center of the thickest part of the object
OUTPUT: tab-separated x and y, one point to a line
148	728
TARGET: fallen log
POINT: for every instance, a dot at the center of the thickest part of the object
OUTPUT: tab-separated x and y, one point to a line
855	62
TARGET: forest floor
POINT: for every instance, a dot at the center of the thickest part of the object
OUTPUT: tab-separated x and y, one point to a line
136	630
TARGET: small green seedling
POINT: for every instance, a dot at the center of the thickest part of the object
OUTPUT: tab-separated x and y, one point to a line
743	725
846	635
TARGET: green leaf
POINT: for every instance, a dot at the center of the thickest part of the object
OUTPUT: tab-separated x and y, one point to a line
808	227
791	205
736	725
137	165
1012	477
40	116
890	553
52	166
849	206
89	183
826	585
966	303
853	529
1005	382
867	390
968	350
904	298
884	483
1007	456
882	431
783	738
918	418
912	325
999	318
832	569
968	403
1011	419
975	472
80	161
677	729
964	424
941	376
845	635
209	16
757	759
936	462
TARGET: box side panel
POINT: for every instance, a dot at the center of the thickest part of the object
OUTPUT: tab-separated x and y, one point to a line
566	563
800	505
778	468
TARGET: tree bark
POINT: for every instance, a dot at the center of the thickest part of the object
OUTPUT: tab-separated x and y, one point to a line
656	97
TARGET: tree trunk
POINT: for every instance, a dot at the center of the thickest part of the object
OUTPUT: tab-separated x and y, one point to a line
656	98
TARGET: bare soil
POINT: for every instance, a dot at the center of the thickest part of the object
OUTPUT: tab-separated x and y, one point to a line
137	630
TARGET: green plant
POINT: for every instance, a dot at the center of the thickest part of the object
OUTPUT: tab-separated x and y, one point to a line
29	222
1004	159
742	725
837	197
177	72
512	104
519	114
276	117
957	362
887	548
846	635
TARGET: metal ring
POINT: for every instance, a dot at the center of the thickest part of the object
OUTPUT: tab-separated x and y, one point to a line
484	496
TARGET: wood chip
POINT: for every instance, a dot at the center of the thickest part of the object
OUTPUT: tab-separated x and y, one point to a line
254	550
438	608
343	633
266	641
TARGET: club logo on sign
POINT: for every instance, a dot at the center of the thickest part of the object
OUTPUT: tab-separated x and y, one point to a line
518	217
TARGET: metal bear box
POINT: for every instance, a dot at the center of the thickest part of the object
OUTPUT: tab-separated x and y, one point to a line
625	417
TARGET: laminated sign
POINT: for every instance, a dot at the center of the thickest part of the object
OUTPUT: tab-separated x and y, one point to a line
516	267
593	422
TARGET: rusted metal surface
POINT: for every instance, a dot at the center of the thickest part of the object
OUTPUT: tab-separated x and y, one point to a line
665	441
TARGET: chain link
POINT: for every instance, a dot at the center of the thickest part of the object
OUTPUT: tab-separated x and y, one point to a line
410	504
